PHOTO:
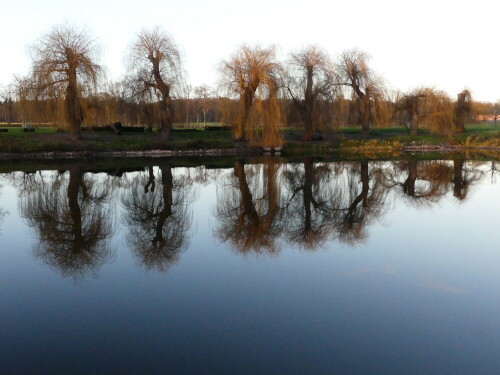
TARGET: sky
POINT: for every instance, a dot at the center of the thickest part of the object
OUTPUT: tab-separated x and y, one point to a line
449	45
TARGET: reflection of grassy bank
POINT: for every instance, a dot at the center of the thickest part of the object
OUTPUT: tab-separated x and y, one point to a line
113	165
117	166
386	141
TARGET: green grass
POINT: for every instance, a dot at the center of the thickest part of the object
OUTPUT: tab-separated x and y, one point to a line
48	139
17	131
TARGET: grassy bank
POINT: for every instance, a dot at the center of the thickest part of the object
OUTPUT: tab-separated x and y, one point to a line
346	140
396	139
48	139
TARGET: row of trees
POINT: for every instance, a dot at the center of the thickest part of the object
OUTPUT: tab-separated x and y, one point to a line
257	94
258	206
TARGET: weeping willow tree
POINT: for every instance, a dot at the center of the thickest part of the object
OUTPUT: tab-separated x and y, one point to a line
310	80
367	89
156	69
251	75
426	106
266	118
66	58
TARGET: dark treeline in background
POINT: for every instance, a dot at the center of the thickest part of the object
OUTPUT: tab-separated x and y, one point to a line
257	94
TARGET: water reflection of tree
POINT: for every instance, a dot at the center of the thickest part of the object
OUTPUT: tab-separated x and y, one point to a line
364	202
251	222
463	177
311	203
72	225
316	202
420	183
158	217
494	171
336	200
322	201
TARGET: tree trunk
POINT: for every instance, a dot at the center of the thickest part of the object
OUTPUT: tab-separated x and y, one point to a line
75	181
459	184
365	181
73	107
166	119
151	184
308	195
165	132
365	116
409	184
246	101
166	211
167	115
272	191
246	196
308	107
459	124
308	126
414	124
249	219
351	218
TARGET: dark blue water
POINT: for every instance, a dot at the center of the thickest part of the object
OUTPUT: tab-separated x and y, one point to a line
262	267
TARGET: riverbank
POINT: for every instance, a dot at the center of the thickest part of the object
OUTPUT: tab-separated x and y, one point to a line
44	144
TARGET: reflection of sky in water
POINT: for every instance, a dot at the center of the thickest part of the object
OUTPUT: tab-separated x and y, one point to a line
418	295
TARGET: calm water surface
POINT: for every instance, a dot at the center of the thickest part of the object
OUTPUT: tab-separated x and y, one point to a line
257	267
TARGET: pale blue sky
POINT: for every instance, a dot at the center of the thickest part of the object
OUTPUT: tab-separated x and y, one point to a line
446	44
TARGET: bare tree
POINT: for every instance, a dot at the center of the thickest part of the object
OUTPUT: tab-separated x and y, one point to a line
495	112
155	66
187	90
310	78
366	86
427	106
243	74
203	96
67	58
409	105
